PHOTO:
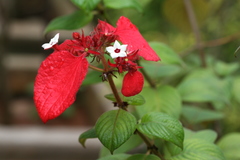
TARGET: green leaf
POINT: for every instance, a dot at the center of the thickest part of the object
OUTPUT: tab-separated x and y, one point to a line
224	69
160	125
207	135
133	100
92	77
120	4
167	55
162	99
202	86
143	157
130	144
158	70
115	127
226	87
197	115
86	5
171	150
85	135
72	21
115	157
170	65
198	149
230	145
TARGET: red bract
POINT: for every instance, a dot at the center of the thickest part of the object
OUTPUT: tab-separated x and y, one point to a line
104	28
58	80
129	34
132	83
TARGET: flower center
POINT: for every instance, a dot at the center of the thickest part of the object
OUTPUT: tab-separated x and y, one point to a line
117	50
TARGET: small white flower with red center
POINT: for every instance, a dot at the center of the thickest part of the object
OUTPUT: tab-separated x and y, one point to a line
117	50
52	42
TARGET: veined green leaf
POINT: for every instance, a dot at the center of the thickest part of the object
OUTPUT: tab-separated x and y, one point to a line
85	135
72	21
161	125
115	127
130	144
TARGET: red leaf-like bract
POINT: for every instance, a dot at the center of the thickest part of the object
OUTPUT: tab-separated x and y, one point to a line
132	83
129	34
105	27
58	80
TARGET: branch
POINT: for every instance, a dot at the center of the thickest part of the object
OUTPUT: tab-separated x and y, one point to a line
151	147
196	31
212	43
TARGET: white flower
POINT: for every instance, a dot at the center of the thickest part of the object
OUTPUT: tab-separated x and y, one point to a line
117	50
52	42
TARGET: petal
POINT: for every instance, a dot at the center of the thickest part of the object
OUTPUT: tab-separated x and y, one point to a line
132	83
114	55
123	47
58	80
129	34
110	49
46	46
52	42
122	54
116	44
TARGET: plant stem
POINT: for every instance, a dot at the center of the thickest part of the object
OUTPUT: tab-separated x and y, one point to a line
213	43
150	145
96	68
120	103
196	31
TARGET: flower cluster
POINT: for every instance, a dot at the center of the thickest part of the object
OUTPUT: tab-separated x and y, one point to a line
62	72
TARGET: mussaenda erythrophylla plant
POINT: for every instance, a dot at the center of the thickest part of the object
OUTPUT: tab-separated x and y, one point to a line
61	74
